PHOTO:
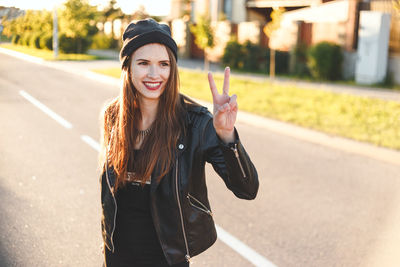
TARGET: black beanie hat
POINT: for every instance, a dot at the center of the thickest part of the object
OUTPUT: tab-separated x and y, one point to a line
145	32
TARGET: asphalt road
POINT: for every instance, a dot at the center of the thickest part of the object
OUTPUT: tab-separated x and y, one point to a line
316	206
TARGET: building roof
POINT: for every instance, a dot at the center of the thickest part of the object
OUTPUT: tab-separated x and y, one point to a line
280	3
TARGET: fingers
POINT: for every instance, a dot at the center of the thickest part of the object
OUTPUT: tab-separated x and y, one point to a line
233	103
213	87
225	88
224	108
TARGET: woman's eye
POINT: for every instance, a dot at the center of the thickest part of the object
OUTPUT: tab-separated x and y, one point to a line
143	63
164	64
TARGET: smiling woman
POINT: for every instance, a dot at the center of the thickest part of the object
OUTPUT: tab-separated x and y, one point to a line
155	144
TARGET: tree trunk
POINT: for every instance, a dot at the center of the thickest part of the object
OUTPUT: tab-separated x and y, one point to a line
112	29
79	45
272	65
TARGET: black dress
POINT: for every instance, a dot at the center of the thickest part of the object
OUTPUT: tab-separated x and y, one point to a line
135	238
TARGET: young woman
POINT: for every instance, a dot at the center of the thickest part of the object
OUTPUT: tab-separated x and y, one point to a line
155	145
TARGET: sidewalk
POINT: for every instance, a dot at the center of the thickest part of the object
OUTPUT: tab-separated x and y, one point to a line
83	68
196	64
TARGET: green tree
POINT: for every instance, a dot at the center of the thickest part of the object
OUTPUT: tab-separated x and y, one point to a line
111	13
24	28
269	29
204	36
77	22
396	5
140	13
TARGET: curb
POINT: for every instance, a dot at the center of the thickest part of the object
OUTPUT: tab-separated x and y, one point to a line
320	138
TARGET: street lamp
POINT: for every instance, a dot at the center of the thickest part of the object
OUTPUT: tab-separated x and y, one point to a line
55	32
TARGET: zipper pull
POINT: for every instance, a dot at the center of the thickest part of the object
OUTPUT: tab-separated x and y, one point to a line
187	257
235	151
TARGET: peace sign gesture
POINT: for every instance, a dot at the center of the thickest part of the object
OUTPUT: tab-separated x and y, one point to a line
225	108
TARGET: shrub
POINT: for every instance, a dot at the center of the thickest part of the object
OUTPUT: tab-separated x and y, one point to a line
66	44
46	41
5	38
233	54
281	62
102	41
15	38
299	67
325	61
73	45
35	40
252	57
25	39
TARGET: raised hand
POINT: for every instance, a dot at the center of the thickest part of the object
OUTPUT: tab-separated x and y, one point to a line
225	108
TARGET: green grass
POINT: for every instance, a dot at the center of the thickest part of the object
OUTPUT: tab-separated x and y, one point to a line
364	119
114	72
351	82
47	54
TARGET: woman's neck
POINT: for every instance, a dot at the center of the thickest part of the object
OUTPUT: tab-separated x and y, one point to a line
148	109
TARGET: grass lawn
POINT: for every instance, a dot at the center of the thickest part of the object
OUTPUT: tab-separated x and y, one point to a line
47	54
365	119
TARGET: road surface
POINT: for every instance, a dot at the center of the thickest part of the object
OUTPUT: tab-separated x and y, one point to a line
316	206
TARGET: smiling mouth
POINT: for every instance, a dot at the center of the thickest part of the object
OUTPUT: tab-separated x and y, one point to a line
152	85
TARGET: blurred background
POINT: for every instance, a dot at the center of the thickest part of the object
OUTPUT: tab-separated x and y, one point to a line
318	90
243	34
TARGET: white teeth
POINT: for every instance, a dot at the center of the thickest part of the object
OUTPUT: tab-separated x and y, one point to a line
152	85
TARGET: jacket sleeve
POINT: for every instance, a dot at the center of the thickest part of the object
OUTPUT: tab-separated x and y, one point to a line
231	162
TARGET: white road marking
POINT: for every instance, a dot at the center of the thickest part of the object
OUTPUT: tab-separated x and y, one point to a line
46	110
241	248
231	241
91	142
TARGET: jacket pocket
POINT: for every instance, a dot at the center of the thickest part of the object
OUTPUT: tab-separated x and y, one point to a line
194	202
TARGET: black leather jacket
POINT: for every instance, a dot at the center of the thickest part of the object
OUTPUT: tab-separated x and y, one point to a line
180	208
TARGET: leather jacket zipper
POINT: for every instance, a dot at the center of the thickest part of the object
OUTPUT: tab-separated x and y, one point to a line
187	256
116	207
112	192
202	208
235	150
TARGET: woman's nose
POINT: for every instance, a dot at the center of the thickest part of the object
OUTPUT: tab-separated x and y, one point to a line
152	72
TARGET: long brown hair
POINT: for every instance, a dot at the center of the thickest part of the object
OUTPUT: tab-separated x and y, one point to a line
121	118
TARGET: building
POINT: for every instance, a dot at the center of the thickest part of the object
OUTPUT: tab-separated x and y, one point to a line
306	21
339	22
10	13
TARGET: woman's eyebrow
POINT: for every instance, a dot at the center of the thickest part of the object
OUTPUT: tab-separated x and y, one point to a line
141	59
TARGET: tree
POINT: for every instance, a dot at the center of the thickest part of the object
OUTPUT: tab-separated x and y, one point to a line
269	29
112	13
396	5
78	22
29	27
204	36
140	13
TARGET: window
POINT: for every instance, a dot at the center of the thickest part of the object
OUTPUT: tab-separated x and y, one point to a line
228	9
